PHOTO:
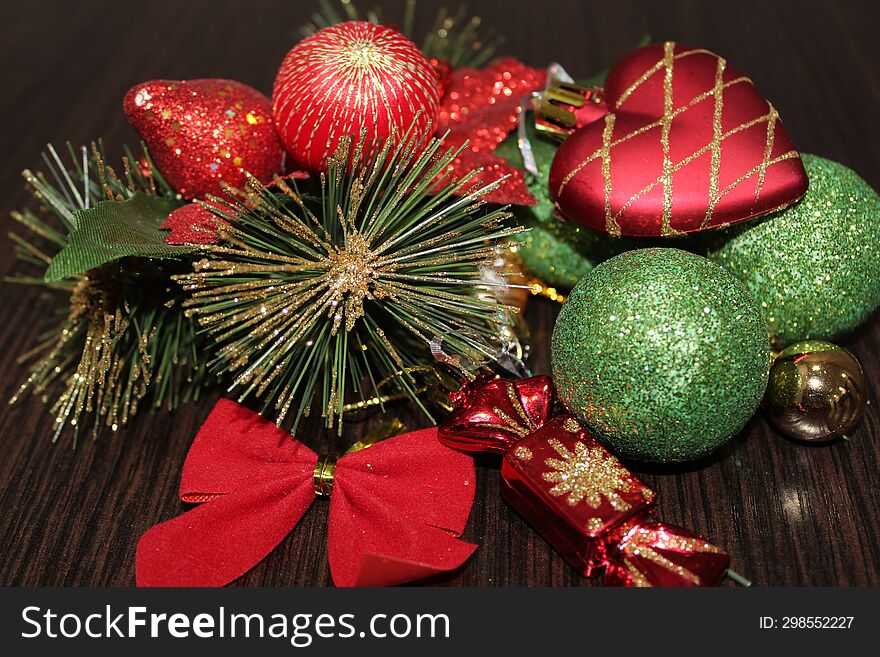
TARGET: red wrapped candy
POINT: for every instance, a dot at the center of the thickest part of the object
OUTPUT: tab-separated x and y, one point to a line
573	491
641	553
687	144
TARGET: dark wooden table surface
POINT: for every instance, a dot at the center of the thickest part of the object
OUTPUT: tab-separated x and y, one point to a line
788	514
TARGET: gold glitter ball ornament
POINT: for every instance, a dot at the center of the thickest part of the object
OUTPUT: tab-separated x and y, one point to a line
817	392
350	79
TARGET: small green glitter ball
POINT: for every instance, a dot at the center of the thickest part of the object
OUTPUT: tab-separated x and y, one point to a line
561	254
813	267
552	257
662	353
556	252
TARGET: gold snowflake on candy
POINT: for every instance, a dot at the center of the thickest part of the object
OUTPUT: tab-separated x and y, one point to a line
587	474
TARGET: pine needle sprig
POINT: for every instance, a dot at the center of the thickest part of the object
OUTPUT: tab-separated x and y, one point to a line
117	338
314	300
455	37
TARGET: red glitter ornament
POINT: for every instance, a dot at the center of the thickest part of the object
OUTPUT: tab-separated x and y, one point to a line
192	224
688	144
202	133
484	106
350	78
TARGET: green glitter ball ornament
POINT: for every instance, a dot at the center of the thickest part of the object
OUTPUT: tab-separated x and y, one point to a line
560	254
662	353
815	266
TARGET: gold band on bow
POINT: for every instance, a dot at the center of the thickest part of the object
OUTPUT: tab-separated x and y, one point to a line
325	468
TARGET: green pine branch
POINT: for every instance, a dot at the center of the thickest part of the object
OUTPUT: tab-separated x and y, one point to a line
455	37
116	339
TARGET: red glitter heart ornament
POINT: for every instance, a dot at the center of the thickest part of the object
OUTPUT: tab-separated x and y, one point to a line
688	144
202	133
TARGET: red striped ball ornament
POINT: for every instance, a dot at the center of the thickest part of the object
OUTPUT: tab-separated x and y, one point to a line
349	78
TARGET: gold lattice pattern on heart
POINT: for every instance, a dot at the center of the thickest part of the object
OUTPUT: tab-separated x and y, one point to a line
667	65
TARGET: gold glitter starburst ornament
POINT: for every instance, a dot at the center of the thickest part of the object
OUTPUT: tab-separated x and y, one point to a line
587	474
324	300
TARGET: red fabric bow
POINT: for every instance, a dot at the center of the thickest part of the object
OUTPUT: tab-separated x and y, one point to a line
396	507
574	491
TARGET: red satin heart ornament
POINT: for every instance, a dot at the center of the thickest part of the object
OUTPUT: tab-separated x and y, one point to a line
396	507
688	144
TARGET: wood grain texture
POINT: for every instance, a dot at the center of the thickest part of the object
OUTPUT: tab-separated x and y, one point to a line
788	514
